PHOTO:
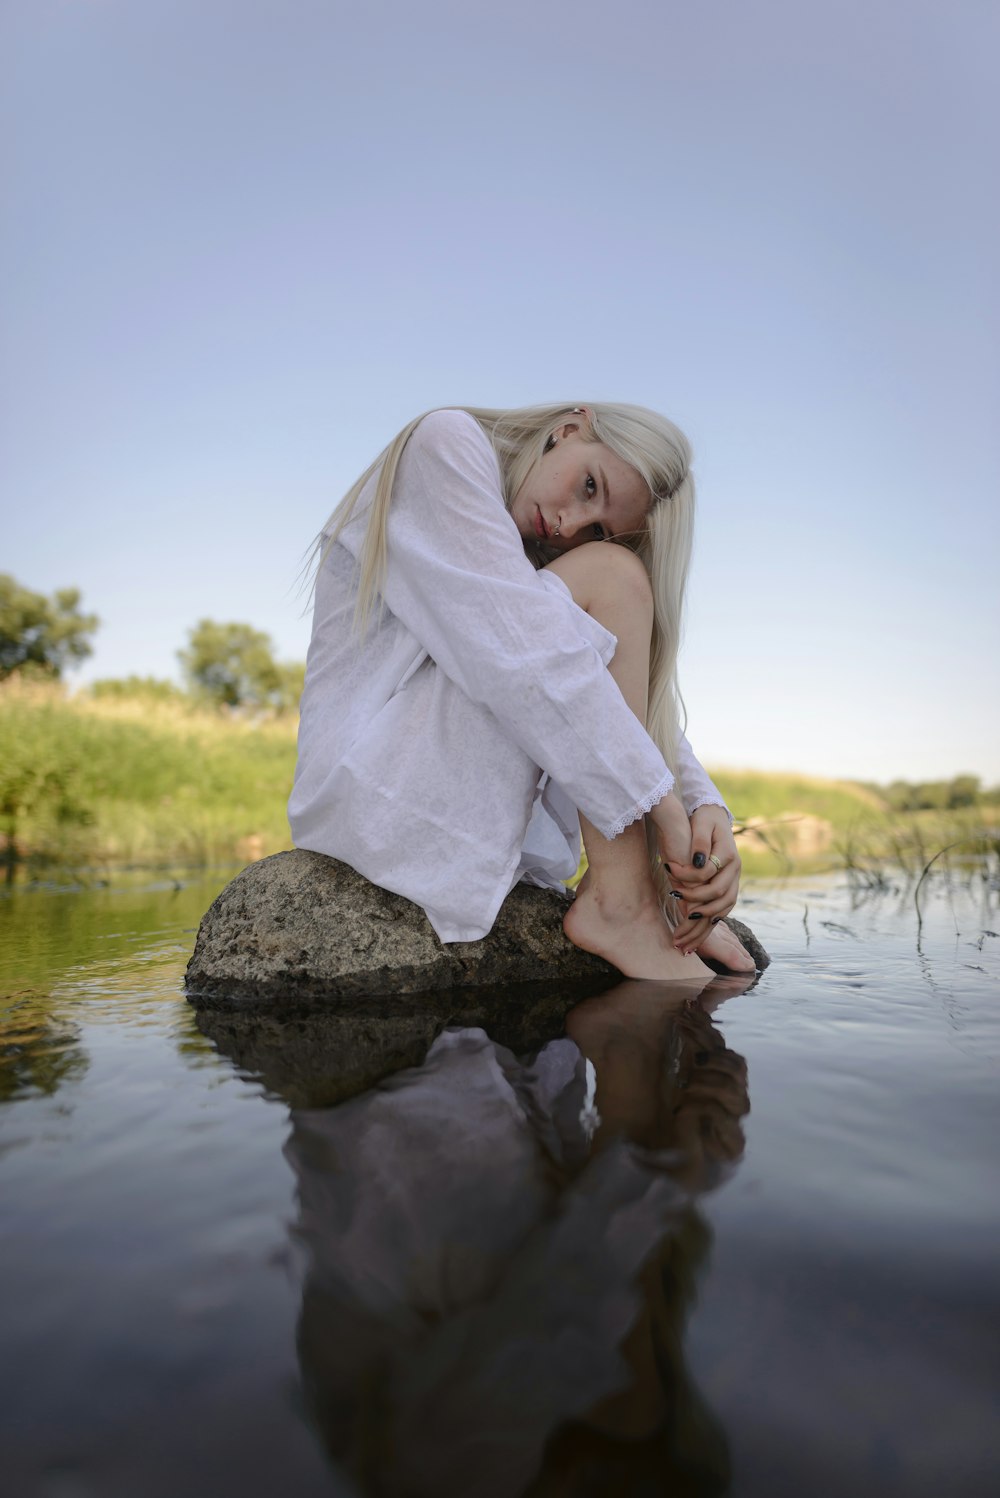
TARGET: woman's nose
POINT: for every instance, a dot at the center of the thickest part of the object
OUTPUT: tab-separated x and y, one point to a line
571	519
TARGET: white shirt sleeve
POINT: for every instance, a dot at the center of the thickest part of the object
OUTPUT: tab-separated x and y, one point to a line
458	579
693	784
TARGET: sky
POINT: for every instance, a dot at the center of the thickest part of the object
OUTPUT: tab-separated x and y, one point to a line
246	240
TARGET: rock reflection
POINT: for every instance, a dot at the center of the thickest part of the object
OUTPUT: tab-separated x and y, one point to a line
314	1060
500	1253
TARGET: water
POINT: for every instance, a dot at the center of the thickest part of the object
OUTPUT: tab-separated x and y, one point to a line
750	1248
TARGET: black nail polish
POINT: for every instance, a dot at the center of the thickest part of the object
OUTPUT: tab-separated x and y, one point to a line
699	860
696	915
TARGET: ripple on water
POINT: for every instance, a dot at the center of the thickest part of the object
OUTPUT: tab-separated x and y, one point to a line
750	1236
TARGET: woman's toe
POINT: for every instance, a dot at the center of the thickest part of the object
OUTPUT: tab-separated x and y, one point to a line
722	946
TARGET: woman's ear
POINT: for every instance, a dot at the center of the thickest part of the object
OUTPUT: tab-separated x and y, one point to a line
568	428
579	423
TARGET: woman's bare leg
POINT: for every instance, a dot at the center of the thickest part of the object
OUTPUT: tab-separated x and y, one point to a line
616	912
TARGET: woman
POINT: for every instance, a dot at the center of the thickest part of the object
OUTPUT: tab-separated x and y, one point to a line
487	678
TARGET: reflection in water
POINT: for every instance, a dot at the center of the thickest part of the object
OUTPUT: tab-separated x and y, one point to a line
98	955
844	1328
501	1252
39	1051
316	1059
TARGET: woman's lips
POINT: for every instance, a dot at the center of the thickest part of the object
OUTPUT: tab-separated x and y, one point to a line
541	529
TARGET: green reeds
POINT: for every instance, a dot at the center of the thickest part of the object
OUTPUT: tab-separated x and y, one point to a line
87	781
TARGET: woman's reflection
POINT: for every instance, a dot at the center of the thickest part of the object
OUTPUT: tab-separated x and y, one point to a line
500	1253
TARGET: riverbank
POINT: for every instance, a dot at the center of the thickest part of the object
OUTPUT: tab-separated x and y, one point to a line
92	781
96	782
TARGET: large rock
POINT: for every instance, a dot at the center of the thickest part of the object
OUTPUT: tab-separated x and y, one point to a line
298	933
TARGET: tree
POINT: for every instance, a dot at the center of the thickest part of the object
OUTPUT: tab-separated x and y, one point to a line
932	795
901	795
233	665
293	677
965	790
47	635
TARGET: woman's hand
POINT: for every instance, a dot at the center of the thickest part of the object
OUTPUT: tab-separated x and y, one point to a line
707	892
673	831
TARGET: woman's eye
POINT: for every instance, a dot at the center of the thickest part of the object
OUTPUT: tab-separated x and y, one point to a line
591	484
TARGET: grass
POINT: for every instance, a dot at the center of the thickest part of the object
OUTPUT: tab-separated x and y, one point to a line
753	793
145	781
87	781
787	820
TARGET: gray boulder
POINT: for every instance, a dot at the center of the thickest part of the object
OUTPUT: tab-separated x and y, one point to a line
298	932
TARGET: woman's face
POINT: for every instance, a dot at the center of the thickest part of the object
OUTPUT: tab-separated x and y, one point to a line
579	491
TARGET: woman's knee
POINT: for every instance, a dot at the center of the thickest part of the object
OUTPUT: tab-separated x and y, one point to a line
601	572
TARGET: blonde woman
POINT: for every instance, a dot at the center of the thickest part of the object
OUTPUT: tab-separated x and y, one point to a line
492	671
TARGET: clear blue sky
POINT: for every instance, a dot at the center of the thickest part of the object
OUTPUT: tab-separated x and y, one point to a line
245	240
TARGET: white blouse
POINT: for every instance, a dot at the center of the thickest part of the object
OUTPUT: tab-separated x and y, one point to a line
445	753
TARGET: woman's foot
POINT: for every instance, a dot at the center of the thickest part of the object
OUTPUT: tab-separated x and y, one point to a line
632	935
724	946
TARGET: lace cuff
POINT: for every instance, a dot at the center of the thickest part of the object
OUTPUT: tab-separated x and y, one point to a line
645	805
711	801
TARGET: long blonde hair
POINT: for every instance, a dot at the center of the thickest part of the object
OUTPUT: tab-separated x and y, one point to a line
648	442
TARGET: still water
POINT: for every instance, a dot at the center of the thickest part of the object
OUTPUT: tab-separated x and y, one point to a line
741	1243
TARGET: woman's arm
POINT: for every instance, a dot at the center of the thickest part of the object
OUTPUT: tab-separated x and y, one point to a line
693	782
709	879
708	876
458	579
